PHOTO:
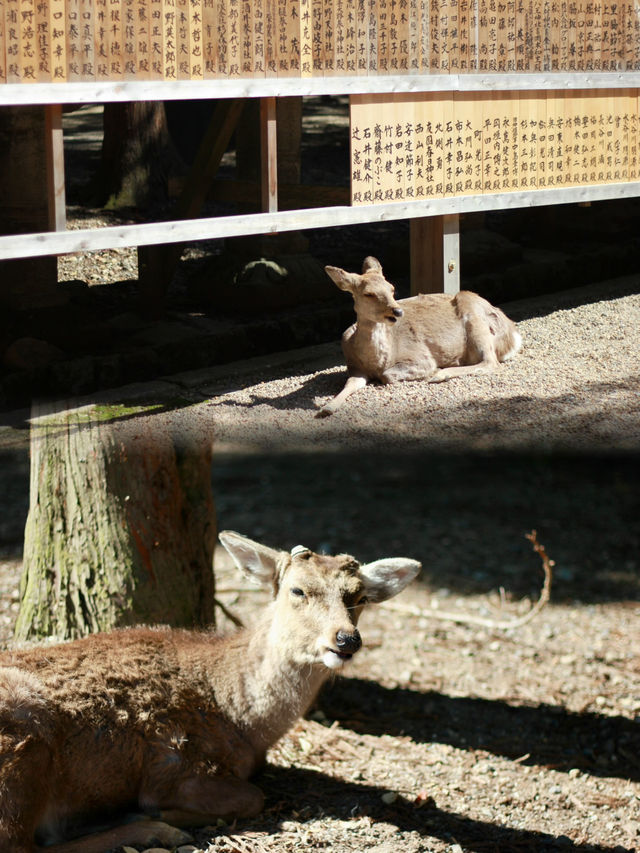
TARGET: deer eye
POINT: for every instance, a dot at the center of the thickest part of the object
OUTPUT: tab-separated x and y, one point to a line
299	593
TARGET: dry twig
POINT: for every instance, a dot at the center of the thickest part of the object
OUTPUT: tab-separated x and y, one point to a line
469	619
235	619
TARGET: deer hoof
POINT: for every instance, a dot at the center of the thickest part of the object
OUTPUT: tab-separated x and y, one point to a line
325	411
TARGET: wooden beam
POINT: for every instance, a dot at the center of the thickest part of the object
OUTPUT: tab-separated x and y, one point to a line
35	245
98	92
268	156
54	151
435	254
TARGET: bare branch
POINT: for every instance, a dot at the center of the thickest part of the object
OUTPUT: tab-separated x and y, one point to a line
236	621
469	619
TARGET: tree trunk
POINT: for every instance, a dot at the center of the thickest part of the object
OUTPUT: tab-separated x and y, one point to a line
137	156
121	526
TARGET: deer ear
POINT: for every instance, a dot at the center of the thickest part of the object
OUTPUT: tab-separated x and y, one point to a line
256	562
371	263
386	578
344	280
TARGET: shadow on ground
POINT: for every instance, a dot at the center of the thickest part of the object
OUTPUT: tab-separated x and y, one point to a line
537	735
463	515
297	789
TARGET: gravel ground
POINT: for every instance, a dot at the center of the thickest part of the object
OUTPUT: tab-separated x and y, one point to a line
443	737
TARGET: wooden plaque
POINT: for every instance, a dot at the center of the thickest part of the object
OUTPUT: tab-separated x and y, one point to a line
50	41
422	146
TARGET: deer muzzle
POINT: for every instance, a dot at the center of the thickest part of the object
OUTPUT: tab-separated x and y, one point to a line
347	644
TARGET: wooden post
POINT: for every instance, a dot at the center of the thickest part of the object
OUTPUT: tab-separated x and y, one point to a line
31	171
54	152
435	254
268	156
251	167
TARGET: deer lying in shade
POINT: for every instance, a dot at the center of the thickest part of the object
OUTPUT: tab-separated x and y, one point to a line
432	336
173	723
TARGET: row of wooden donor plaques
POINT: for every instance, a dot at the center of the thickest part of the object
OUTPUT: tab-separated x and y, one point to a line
73	40
412	147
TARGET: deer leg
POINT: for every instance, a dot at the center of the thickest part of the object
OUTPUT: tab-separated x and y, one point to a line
354	383
409	371
143	832
197	801
481	352
206	798
464	370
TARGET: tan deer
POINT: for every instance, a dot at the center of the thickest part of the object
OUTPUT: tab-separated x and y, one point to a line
432	336
172	723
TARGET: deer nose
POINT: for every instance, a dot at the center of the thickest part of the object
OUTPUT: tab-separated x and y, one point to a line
398	312
348	642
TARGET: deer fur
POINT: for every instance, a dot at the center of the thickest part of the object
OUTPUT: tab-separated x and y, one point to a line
433	336
172	723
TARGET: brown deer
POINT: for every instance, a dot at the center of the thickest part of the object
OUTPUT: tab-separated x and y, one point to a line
172	723
432	336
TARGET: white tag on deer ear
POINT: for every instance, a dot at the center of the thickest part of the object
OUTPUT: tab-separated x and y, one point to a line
385	578
257	562
300	549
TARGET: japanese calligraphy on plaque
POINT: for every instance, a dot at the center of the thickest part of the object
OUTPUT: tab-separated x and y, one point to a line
69	40
408	147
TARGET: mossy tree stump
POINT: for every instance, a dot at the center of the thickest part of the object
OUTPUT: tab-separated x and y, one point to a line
121	526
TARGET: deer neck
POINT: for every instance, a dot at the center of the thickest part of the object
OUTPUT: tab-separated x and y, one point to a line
271	690
374	343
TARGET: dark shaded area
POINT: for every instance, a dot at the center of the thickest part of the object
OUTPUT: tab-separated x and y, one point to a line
14	501
463	516
101	342
549	735
311	793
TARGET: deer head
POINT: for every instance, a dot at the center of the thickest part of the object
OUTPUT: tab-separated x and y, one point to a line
318	599
373	295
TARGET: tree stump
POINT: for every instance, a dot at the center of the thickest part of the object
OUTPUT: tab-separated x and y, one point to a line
121	526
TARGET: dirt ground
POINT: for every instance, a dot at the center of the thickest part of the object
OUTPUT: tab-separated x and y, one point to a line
440	736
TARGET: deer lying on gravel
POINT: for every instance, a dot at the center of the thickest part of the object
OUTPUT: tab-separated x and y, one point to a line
432	336
172	722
